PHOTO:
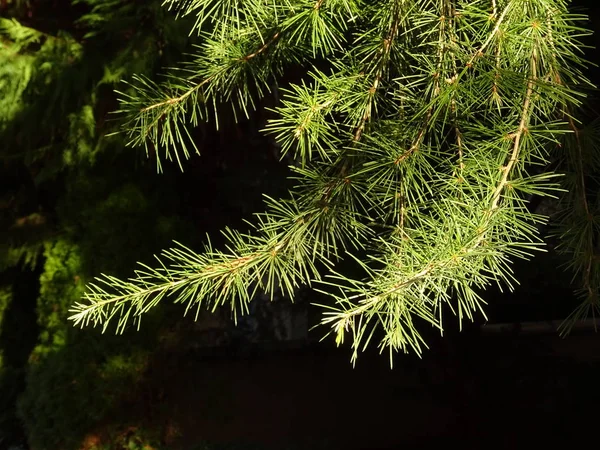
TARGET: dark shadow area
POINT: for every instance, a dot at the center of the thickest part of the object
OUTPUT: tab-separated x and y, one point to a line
500	392
18	335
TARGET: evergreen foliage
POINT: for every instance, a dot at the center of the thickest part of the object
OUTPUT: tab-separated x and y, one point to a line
5	300
75	378
419	130
577	220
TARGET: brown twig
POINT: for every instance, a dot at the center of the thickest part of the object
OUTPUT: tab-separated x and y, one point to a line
263	48
385	52
487	42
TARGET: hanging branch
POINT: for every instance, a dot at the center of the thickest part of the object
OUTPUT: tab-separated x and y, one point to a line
393	109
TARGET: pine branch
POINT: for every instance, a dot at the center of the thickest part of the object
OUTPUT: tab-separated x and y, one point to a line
340	320
383	59
238	68
176	100
480	51
284	255
587	260
414	147
164	123
518	135
216	279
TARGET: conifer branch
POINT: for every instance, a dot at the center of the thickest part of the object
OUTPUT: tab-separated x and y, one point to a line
517	136
492	35
383	56
175	100
398	143
340	320
263	49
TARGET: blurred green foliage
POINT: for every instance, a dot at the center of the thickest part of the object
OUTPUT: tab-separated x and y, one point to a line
72	204
5	299
76	377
